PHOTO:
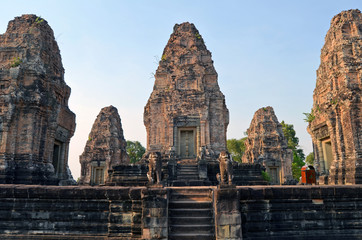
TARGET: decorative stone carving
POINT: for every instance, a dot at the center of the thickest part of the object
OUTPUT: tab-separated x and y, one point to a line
267	146
105	148
35	122
186	109
154	168
336	119
226	168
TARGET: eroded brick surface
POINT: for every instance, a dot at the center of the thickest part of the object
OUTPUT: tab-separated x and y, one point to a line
267	146
35	121
105	148
186	96
335	123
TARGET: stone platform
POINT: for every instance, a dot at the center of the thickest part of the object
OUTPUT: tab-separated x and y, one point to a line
185	173
250	212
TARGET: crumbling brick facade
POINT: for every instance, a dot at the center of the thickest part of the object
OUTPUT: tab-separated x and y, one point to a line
105	148
186	110
336	118
35	122
267	146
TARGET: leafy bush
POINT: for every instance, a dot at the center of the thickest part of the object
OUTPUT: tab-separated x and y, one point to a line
309	117
266	176
39	20
135	150
236	148
16	62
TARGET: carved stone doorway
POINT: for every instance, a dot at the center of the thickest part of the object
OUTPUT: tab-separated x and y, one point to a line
97	175
274	175
187	142
58	158
327	154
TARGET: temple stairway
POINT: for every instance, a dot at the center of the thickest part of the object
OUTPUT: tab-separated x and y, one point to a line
187	174
190	214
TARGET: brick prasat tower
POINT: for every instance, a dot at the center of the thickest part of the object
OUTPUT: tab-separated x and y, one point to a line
35	122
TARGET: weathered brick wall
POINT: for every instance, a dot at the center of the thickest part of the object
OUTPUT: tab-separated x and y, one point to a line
51	212
260	212
301	212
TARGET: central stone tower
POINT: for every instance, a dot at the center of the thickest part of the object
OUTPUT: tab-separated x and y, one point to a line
186	113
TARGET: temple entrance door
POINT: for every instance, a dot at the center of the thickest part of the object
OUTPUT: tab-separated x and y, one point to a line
327	154
274	175
187	143
98	175
58	157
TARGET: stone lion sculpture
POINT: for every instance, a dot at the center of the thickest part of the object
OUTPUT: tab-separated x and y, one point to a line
226	168
154	167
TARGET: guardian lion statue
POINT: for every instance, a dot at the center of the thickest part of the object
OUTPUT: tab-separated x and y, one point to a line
226	168
154	168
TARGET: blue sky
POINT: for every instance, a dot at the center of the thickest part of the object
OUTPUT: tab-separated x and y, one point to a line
266	53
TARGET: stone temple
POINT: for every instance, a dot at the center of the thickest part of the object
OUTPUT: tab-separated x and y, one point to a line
336	118
186	110
186	186
266	145
105	148
186	119
35	122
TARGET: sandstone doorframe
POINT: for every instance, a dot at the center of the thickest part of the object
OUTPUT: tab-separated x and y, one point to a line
97	172
187	142
327	154
275	176
58	157
187	123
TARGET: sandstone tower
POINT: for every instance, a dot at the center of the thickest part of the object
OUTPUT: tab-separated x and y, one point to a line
186	110
267	146
35	121
336	118
105	148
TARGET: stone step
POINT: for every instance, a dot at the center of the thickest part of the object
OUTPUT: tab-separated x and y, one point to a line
252	183
187	165
192	191
192	228
191	220
187	177
190	182
187	170
189	204
190	212
187	162
198	198
191	236
187	173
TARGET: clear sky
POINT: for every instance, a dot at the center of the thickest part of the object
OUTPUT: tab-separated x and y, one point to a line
266	53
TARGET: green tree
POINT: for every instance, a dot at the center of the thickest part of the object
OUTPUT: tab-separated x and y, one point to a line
310	159
135	150
293	144
236	148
